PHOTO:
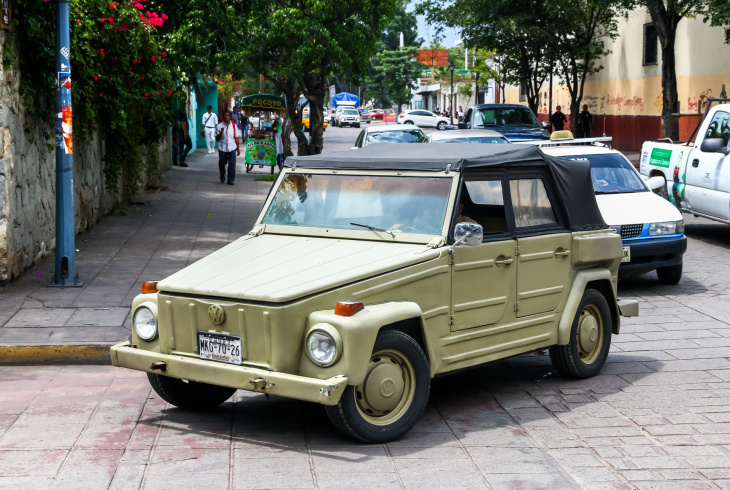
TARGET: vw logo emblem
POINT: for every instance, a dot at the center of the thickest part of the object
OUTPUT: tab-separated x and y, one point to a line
216	314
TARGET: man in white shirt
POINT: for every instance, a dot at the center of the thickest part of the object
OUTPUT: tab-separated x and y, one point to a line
228	150
210	121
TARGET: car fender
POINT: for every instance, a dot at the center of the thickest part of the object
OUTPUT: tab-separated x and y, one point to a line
358	333
599	279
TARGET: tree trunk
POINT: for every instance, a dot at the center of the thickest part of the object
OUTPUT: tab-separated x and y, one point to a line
670	122
314	92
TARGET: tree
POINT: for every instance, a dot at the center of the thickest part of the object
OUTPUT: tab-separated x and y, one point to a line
399	70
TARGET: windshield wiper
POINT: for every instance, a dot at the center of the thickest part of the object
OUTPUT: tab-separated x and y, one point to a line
609	192
373	228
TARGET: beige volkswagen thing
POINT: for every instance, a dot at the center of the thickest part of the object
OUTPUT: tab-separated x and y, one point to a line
371	271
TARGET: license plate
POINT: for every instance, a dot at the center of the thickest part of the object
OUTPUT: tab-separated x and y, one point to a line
219	347
627	255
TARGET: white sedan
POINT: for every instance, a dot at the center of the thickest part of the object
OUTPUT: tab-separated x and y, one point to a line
424	119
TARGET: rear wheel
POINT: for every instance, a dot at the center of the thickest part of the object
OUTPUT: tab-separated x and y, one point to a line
408	122
440	126
590	339
393	395
670	275
189	395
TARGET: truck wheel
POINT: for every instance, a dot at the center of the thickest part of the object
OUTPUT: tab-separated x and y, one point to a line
590	339
670	275
189	395
392	398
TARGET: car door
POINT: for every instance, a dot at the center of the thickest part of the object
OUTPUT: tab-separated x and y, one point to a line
429	119
543	242
483	276
707	174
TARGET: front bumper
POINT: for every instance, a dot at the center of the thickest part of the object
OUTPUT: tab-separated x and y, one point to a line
322	391
648	255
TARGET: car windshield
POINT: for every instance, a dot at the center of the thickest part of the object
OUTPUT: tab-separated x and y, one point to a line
399	204
350	112
517	117
611	174
404	136
478	139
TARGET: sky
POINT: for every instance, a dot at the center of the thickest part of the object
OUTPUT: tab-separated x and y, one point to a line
426	32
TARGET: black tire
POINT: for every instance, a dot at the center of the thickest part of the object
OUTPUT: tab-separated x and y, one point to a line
585	355
189	395
392	347
670	275
408	122
357	125
373	118
440	126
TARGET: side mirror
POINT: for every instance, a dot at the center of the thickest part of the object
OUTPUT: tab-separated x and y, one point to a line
545	125
714	145
469	233
655	183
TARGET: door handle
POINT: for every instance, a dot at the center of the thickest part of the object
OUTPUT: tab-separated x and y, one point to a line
696	162
505	261
562	253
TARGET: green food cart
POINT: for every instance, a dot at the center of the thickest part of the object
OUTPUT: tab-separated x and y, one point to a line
261	142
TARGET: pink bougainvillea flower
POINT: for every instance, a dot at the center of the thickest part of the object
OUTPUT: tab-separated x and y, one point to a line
78	20
139	5
141	17
164	16
153	58
164	54
148	14
110	19
113	5
96	77
101	95
141	77
102	19
101	51
154	14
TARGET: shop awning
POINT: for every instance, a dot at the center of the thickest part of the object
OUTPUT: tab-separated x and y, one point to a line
263	101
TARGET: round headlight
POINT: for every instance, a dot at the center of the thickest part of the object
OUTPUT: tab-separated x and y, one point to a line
321	348
145	323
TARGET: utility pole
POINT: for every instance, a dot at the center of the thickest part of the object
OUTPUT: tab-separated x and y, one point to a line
65	273
451	95
476	101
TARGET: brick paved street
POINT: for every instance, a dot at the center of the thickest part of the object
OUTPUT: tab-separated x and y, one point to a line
657	417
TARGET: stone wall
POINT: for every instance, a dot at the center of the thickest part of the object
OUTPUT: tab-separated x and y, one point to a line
28	182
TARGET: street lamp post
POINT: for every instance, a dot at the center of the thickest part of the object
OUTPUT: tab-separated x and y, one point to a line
451	94
65	273
476	101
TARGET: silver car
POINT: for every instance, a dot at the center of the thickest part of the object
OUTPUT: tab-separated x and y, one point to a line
465	136
402	133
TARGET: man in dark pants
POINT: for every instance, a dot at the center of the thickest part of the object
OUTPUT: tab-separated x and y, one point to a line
228	150
585	122
184	143
558	120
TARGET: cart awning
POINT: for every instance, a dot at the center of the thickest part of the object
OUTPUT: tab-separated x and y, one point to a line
263	101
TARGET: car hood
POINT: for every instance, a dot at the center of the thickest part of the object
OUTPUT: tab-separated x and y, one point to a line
281	268
636	207
521	133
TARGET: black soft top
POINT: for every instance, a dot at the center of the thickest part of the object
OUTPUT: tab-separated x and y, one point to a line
572	179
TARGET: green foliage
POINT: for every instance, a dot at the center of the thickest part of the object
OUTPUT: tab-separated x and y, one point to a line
399	70
122	83
718	14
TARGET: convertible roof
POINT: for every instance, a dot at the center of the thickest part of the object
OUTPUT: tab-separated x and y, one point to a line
572	178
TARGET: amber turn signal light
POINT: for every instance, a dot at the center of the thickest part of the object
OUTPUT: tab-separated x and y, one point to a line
149	287
348	308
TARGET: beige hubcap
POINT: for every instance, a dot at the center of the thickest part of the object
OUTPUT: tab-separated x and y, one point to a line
384	387
388	389
589	336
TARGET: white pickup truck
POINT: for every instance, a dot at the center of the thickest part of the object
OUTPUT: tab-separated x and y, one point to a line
697	174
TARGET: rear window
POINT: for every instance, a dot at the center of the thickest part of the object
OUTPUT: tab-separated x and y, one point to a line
611	174
405	136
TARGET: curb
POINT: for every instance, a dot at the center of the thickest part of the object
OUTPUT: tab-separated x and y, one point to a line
55	354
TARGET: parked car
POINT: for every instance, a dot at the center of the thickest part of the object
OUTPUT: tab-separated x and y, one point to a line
423	119
364	115
651	229
515	122
380	114
410	264
465	136
347	117
305	121
388	134
697	175
343	105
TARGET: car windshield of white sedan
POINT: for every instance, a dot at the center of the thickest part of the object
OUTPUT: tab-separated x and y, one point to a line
611	174
404	136
381	204
350	112
507	116
479	139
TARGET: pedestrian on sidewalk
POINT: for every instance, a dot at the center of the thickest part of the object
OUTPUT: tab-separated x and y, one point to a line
244	126
585	122
210	121
228	149
184	143
276	128
558	119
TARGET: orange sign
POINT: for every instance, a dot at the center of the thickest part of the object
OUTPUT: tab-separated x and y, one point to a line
433	57
67	127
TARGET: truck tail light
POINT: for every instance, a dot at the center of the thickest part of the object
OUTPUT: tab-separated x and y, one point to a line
149	287
348	308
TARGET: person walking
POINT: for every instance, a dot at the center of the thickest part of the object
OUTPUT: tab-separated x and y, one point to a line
184	143
276	128
228	150
558	120
210	121
461	114
585	122
244	127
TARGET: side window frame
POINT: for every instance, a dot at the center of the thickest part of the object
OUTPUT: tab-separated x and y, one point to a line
720	116
542	173
360	139
480	175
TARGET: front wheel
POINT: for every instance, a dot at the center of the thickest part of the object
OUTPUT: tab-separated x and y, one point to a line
670	275
590	339
393	395
189	395
440	126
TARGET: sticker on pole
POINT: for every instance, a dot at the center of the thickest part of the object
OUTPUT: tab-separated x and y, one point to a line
67	128
64	52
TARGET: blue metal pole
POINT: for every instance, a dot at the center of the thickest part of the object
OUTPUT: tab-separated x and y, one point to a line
65	274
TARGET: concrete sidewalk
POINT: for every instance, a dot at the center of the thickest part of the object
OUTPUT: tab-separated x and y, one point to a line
192	216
